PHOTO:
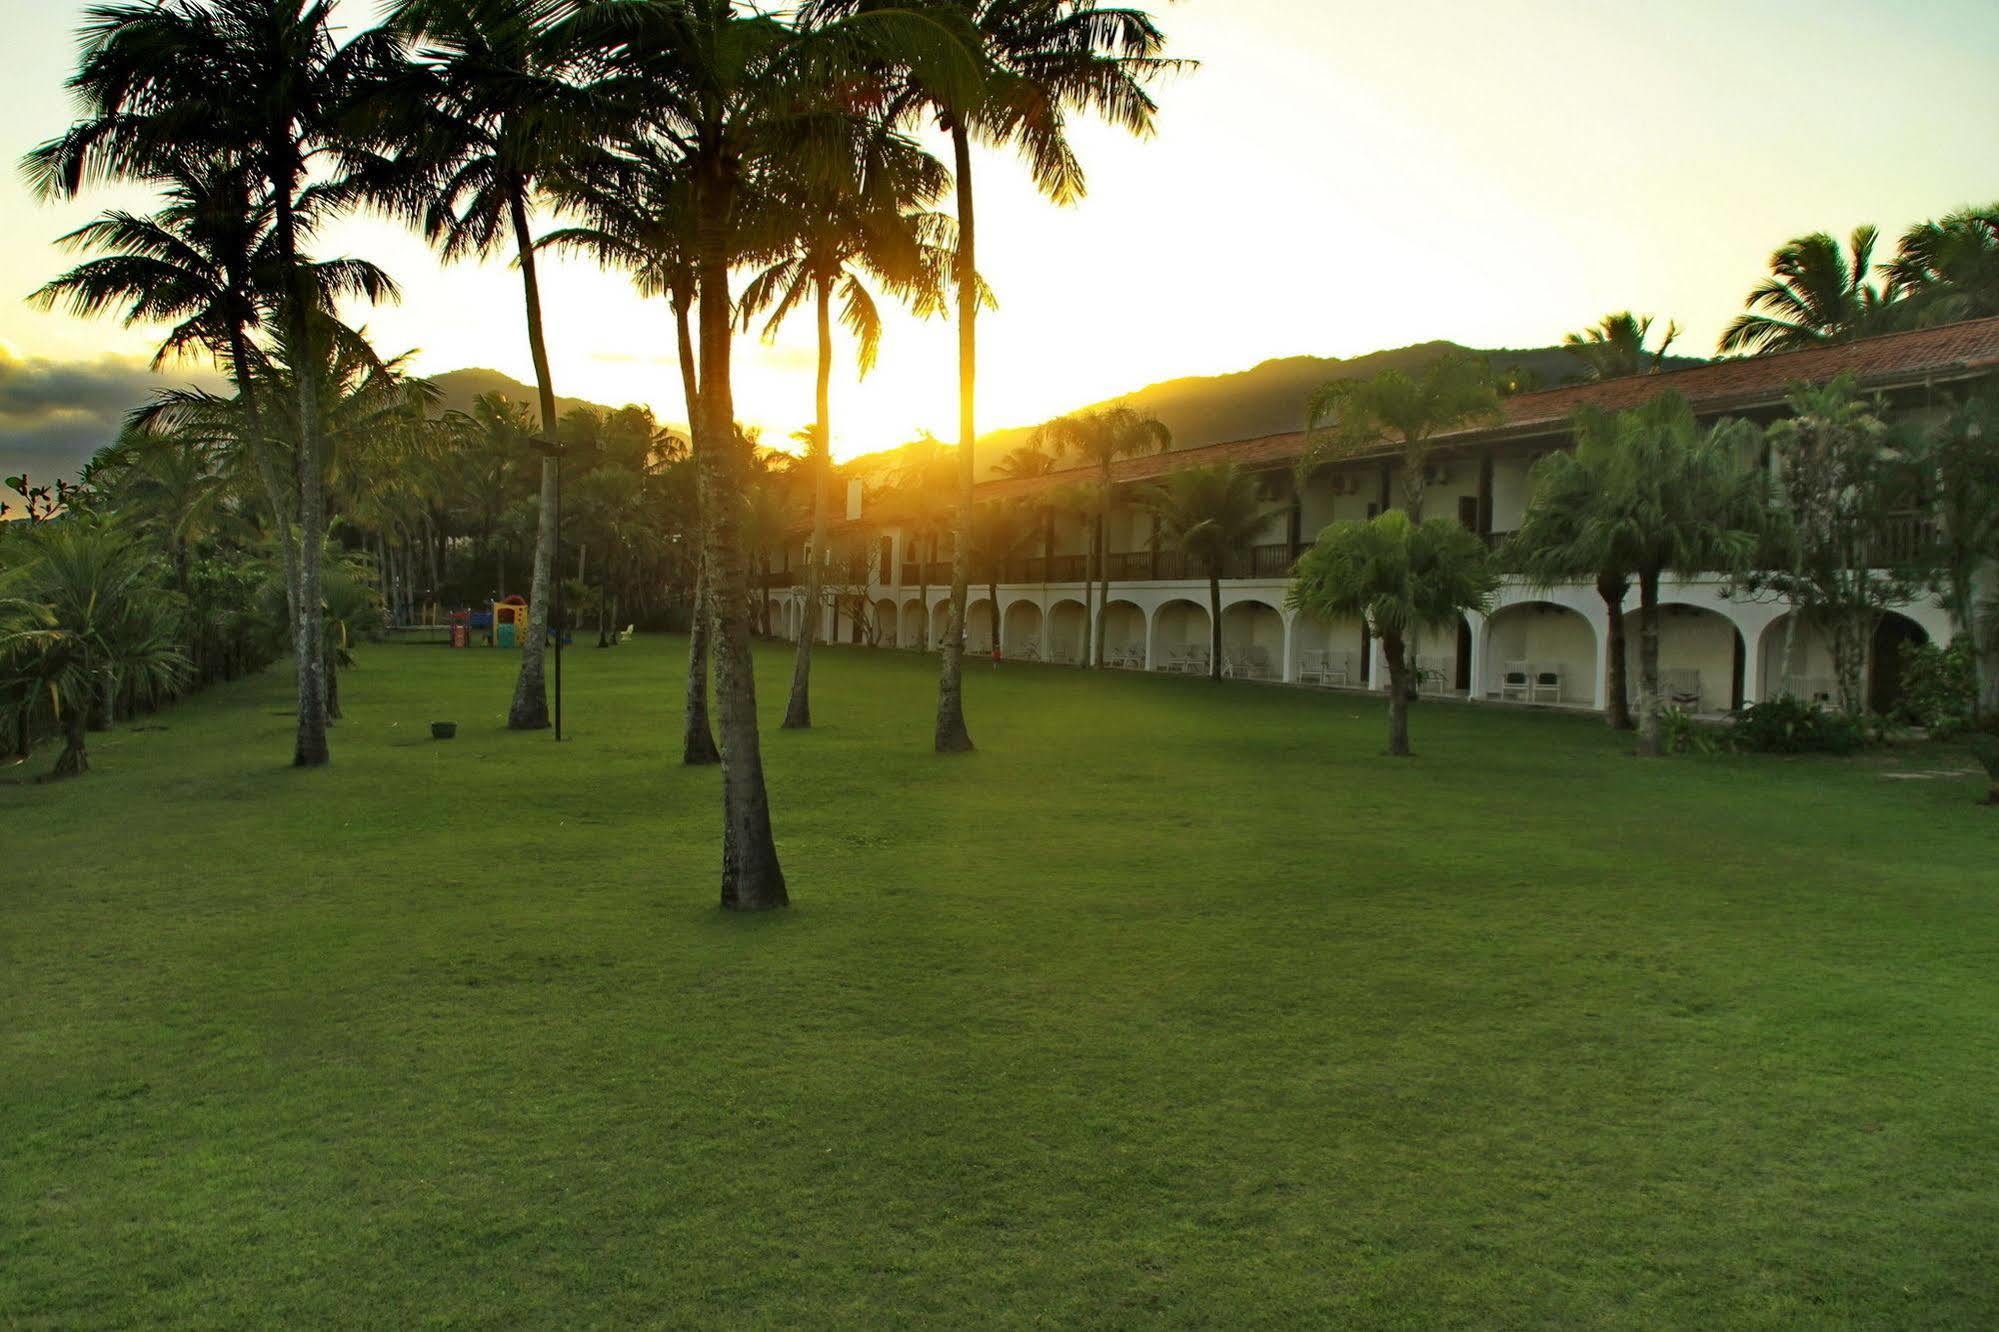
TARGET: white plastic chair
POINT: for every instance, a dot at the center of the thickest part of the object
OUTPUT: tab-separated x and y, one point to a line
1547	684
1682	687
1516	681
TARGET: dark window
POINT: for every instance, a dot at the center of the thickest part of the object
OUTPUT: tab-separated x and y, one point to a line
1468	511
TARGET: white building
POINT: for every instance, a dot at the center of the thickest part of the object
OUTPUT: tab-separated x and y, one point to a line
1534	645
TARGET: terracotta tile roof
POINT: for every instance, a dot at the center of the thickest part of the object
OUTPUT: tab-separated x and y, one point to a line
1949	352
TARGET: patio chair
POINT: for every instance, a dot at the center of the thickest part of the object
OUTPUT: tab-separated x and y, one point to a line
1516	681
1314	666
1547	684
1257	662
1339	668
1682	687
1176	660
1432	675
1030	650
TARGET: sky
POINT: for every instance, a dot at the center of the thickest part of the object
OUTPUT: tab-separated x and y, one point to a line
1334	178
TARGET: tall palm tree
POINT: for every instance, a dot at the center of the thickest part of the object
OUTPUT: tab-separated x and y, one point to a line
1395	575
732	94
1948	270
1208	512
1098	438
1044	59
1614	346
841	231
492	107
637	210
148	82
1559	540
1816	294
999	530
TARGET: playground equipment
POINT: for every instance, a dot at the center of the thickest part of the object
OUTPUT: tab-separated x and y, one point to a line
510	622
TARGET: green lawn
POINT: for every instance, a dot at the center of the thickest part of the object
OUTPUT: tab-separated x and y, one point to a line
1171	1004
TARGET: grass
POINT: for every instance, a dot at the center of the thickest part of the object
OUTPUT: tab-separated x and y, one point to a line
1171	1004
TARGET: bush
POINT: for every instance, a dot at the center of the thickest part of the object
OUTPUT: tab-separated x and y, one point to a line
1679	733
1790	725
1939	687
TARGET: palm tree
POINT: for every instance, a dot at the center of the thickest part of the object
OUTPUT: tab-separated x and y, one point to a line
1395	575
1349	418
840	232
1098	439
1559	540
1670	498
1614	346
1948	270
1043	59
1816	294
493	108
94	621
148	82
1208	512
205	264
998	532
638	211
925	493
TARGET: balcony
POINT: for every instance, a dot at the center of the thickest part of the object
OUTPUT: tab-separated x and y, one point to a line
1267	562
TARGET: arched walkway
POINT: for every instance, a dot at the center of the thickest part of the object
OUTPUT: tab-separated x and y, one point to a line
1538	652
885	625
773	617
1022	631
1797	660
1180	637
1701	658
910	632
1253	641
979	628
1065	632
940	623
1124	635
1328	652
1895	637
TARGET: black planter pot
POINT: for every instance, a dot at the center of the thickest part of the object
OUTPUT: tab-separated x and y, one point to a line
443	730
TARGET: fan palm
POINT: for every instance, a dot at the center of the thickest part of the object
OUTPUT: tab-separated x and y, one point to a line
1097	439
1816	294
1349	418
1614	346
1044	59
1668	498
1208	512
1554	543
1395	575
1948	270
99	623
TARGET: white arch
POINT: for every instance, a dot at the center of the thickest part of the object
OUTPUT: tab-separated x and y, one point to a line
1124	635
910	629
1021	629
979	627
1066	625
1254	638
1556	647
887	623
1180	636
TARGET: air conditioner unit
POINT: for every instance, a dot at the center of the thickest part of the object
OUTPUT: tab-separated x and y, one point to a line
1436	474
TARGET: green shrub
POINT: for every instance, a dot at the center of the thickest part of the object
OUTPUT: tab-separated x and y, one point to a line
1790	725
1679	733
1939	687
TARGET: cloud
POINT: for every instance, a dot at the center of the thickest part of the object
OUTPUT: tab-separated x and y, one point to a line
55	414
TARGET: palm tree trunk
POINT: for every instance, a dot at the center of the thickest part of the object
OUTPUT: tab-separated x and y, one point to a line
1397	653
923	616
530	707
1215	623
752	879
74	760
309	749
1649	740
697	738
1101	583
798	709
1613	590
952	735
